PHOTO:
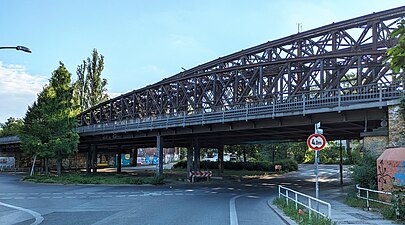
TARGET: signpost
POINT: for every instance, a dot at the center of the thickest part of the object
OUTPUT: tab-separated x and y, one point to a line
316	142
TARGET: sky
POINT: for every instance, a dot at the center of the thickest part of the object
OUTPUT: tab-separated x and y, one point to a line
144	41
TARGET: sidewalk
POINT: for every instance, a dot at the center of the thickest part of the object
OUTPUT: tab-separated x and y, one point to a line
341	213
334	194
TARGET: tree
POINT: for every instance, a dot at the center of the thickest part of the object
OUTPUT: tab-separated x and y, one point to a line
12	127
49	124
244	152
90	89
396	54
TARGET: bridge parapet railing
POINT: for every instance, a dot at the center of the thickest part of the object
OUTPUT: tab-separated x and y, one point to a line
268	108
9	140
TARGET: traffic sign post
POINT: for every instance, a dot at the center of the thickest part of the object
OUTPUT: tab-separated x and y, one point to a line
316	142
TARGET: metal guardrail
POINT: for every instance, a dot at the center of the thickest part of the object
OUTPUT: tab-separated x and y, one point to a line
322	208
302	104
369	199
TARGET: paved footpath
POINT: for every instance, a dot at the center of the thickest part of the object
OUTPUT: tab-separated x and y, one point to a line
335	195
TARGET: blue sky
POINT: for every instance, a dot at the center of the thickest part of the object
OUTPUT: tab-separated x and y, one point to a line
144	41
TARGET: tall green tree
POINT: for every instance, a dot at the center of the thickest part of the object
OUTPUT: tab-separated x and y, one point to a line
396	54
11	127
90	89
49	124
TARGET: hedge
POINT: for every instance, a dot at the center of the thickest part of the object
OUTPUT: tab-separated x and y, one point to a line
287	165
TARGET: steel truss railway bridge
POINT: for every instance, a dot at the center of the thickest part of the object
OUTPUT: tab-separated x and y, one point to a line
335	74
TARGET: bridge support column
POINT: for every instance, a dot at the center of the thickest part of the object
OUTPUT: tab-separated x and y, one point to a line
119	160
88	161
196	146
221	159
94	157
134	157
396	127
189	160
159	147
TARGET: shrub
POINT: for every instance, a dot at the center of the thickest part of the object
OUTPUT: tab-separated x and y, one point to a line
365	173
180	164
157	180
287	165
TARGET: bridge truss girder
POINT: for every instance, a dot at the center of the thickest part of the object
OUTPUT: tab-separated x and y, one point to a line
341	55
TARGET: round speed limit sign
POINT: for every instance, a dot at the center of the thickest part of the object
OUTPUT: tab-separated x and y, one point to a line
316	142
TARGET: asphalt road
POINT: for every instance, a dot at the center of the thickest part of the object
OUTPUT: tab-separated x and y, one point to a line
234	203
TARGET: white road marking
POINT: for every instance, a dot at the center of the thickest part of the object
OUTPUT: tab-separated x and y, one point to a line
37	216
233	216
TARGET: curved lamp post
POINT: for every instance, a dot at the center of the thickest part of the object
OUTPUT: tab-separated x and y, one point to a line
19	48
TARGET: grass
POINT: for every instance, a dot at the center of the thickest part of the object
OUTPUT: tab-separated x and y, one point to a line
139	177
387	211
95	179
303	218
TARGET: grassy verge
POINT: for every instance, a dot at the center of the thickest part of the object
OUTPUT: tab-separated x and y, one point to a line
302	218
177	175
95	179
387	211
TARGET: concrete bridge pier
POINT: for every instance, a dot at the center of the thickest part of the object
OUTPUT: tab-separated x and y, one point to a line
88	160
159	146
221	159
189	160
93	149
134	154
197	151
119	159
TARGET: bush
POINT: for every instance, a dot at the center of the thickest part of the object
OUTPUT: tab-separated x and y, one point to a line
157	180
365	173
287	165
180	164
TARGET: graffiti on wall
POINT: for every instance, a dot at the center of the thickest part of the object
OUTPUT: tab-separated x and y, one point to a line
7	162
384	177
400	175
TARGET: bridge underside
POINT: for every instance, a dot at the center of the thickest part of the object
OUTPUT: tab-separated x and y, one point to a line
343	125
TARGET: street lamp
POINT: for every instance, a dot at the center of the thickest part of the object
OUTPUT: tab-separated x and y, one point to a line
19	48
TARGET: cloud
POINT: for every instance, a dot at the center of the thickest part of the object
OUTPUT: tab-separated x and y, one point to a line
18	90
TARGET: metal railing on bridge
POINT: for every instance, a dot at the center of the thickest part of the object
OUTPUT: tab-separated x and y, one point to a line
10	140
367	96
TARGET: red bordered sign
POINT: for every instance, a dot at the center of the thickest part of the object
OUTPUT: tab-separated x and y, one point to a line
316	142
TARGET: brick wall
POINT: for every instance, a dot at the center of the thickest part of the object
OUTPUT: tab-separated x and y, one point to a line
396	127
375	145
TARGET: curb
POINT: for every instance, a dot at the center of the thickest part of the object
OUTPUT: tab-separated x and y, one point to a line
280	213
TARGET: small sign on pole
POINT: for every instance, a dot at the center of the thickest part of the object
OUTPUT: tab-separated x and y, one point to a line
316	142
